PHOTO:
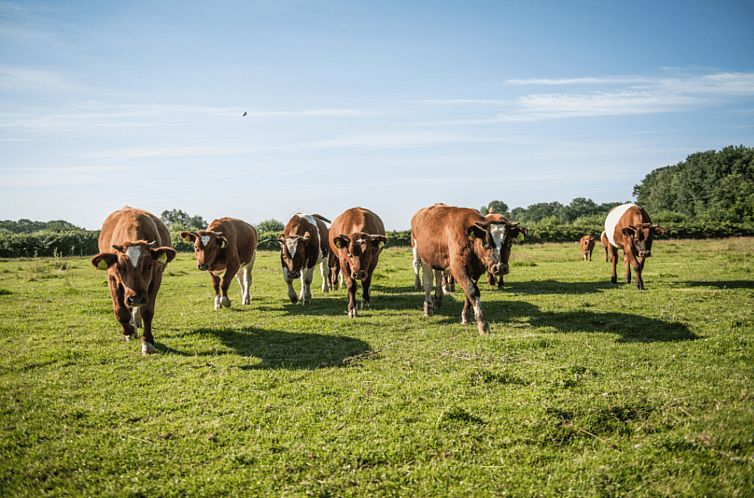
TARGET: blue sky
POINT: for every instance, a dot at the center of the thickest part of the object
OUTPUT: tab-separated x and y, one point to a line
389	105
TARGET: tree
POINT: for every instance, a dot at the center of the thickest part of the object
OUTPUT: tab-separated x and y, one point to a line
177	219
498	207
270	225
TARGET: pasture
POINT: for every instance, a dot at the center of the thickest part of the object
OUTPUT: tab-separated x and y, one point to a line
582	388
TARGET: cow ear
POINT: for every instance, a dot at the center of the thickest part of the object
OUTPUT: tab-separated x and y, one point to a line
163	254
104	260
658	230
628	231
188	236
476	230
341	241
378	241
223	241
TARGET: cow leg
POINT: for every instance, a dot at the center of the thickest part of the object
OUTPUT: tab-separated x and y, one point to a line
136	317
307	276
216	286
606	257
122	314
590	253
366	295
471	290
465	311
627	261
225	282
438	289
147	314
351	286
500	282
323	271
614	263
417	268
248	278
491	280
428	307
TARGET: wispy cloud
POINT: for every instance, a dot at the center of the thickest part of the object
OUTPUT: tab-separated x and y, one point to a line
588	80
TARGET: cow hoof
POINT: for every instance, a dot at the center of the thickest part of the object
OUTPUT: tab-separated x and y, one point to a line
218	305
428	309
246	300
147	348
352	313
483	328
225	301
364	305
128	337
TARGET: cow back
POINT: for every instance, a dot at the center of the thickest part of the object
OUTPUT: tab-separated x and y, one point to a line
242	238
356	219
131	224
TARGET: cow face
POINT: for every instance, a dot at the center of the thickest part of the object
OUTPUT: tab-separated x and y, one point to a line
587	241
293	254
362	251
493	241
640	237
209	248
133	265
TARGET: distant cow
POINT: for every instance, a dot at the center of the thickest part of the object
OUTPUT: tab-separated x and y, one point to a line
225	247
606	244
134	248
587	246
357	236
305	244
629	227
463	241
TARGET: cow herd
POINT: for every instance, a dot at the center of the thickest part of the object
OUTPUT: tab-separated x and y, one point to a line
450	244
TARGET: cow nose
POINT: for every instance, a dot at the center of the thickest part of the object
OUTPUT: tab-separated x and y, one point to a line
504	269
358	275
136	300
495	269
202	266
645	254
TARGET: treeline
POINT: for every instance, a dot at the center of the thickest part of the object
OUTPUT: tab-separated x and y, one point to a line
708	195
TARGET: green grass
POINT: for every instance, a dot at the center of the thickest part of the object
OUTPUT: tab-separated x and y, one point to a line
581	389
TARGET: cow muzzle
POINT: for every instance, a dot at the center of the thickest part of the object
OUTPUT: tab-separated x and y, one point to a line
499	269
136	300
645	254
359	275
203	266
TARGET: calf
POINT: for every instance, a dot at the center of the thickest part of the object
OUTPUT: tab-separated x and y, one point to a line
357	236
226	246
134	248
303	245
586	243
462	240
629	227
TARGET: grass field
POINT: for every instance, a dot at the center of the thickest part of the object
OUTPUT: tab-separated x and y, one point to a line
582	388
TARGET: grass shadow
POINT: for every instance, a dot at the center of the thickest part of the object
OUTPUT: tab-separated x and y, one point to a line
722	284
555	287
284	350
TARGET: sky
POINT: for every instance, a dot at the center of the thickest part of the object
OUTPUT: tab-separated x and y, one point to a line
390	105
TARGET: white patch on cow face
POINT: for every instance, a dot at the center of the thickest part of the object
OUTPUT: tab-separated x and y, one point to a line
205	240
498	235
133	253
292	245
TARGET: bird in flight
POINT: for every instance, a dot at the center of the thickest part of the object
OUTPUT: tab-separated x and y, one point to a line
244	114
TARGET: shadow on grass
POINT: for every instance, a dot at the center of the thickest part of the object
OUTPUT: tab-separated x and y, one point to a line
555	287
630	328
722	284
284	350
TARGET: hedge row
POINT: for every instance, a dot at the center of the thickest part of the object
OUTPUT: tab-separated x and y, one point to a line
84	242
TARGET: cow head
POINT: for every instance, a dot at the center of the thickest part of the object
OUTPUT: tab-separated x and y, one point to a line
133	264
586	241
640	237
492	243
362	250
209	248
293	254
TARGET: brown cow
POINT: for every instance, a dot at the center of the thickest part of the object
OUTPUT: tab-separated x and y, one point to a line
357	236
462	240
304	243
226	246
629	227
499	281
586	243
606	244
134	249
